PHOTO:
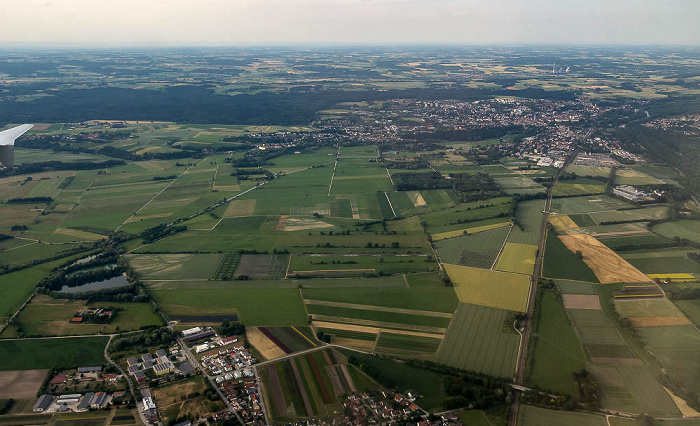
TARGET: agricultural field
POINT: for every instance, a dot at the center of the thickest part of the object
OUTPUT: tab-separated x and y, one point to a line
662	261
414	292
262	266
175	266
502	290
557	351
588	204
476	341
478	250
580	186
19	285
535	416
518	258
320	264
528	215
689	229
406	345
45	316
634	176
306	386
46	353
254	307
678	348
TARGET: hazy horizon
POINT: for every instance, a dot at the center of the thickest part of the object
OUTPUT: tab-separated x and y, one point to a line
217	23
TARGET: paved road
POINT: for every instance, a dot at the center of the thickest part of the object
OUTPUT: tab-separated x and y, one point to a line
195	363
527	330
131	385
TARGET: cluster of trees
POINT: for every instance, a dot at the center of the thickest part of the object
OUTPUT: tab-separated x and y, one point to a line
45	166
323	336
475	187
231	328
416	164
155	336
169	177
30	200
161	231
469	187
420	181
472	390
587	389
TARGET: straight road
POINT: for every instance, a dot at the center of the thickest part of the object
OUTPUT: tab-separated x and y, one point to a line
527	330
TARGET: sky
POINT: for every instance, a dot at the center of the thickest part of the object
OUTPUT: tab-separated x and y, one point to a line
260	22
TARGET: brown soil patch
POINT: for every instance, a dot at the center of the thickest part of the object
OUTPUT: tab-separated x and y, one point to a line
354	343
282	223
275	392
685	409
171	394
21	384
302	390
320	323
266	347
381	308
79	234
41	126
659	321
305	224
239	208
416	198
581	301
605	263
344	371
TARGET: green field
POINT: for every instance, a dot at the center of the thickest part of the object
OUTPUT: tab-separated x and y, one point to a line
588	204
579	186
478	250
678	349
389	264
476	341
18	286
174	266
406	346
263	307
377	316
50	317
691	309
557	351
433	297
502	290
535	416
518	258
575	287
560	262
689	229
528	215
46	353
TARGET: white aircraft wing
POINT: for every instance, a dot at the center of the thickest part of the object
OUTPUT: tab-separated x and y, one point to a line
7	137
7	143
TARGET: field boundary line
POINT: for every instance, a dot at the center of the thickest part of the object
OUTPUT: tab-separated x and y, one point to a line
503	246
389	201
378	308
335	166
153	198
302	335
